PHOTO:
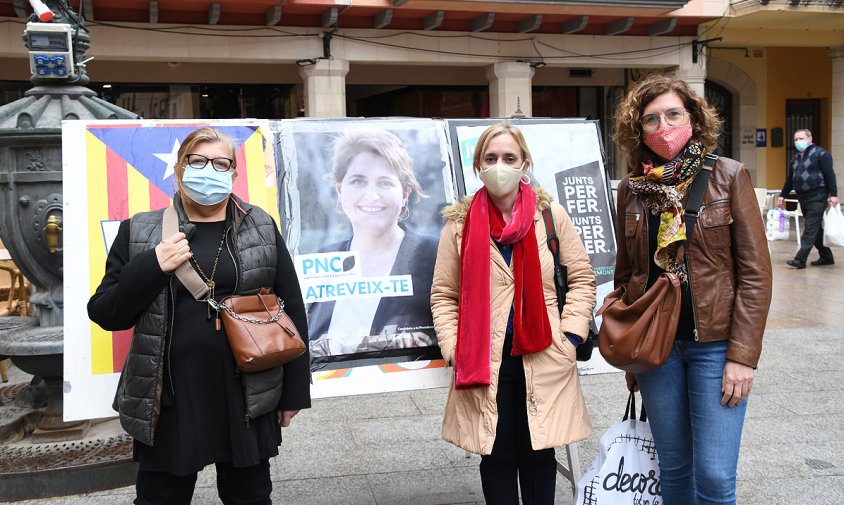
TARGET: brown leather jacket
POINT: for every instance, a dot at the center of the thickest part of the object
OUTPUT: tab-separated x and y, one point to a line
729	262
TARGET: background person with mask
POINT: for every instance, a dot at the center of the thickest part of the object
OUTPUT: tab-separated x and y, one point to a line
497	321
811	176
180	396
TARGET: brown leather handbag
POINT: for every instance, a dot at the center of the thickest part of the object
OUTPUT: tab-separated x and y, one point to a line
638	337
260	333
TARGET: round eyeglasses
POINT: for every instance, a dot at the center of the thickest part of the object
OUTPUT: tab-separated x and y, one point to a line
198	162
673	117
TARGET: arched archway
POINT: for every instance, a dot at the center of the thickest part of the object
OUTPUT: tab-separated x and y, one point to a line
734	80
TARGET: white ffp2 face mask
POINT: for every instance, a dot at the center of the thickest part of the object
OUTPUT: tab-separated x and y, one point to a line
501	180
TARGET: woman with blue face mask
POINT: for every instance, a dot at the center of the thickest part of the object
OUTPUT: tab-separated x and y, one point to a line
180	395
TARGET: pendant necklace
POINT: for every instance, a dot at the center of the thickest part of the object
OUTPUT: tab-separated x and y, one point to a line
209	281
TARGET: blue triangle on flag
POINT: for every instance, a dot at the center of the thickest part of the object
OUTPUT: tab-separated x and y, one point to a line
138	145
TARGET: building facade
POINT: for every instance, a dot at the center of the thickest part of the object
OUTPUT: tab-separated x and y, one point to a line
768	66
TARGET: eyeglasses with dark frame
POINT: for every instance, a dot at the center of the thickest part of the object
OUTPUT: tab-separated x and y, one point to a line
673	117
198	162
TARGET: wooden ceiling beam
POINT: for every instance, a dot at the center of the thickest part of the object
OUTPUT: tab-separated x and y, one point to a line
433	21
273	15
483	22
530	24
574	25
329	17
382	19
214	14
619	26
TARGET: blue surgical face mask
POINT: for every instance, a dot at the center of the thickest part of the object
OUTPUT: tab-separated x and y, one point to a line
207	186
801	145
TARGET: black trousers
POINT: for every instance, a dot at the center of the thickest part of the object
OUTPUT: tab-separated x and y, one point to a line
813	207
249	485
513	463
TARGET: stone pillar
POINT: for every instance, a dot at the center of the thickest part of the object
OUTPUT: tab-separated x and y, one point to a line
510	82
836	148
693	73
325	88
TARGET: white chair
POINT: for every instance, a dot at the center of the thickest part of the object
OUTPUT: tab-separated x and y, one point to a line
762	200
796	214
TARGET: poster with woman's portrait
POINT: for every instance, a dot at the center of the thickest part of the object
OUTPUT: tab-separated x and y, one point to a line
361	202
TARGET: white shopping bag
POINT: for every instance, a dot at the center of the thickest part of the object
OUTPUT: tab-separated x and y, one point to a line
833	227
626	469
777	226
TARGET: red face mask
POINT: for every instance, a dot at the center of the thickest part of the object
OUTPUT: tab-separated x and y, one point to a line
668	141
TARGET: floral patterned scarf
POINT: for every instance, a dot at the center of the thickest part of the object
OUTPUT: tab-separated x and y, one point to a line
664	188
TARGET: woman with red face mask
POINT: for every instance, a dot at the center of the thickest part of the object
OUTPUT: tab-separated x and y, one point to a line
698	397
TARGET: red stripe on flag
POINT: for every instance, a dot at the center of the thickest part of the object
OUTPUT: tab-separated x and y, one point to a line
239	186
120	341
157	198
118	186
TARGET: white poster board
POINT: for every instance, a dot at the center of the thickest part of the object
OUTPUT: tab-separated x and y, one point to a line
361	202
113	170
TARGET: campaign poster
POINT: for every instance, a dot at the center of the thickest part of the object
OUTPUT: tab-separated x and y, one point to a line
361	202
568	161
113	170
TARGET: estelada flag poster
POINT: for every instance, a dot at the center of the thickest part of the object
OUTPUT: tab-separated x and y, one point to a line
111	171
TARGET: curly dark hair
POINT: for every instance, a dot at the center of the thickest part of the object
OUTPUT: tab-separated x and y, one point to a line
706	125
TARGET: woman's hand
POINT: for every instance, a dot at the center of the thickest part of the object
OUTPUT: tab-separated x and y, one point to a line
172	252
284	417
632	385
738	379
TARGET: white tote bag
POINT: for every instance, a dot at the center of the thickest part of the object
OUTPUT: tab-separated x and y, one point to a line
833	227
626	469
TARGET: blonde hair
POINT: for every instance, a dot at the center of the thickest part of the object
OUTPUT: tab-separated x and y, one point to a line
381	143
493	131
196	137
706	125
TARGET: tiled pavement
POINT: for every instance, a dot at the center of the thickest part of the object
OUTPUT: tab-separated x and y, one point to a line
386	449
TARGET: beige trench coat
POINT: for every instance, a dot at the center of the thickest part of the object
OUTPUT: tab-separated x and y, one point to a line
556	409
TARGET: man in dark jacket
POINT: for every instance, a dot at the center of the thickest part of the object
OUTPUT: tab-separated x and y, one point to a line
811	176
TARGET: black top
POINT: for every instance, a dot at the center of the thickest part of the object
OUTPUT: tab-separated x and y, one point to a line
202	418
416	256
686	324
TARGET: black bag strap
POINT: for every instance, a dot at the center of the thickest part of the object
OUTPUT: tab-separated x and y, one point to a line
630	411
560	271
696	193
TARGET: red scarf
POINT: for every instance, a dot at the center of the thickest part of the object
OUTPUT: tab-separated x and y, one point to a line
531	328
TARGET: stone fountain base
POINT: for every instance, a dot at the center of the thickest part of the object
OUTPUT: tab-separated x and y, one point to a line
42	456
99	461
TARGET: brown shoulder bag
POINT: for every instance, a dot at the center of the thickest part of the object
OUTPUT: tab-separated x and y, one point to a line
638	337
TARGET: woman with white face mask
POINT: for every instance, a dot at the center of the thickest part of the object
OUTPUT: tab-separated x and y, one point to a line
697	399
515	394
180	395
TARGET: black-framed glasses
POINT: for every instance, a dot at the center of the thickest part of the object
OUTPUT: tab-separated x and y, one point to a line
198	162
673	117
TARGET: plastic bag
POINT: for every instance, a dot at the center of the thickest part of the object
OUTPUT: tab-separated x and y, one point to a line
833	227
626	469
777	225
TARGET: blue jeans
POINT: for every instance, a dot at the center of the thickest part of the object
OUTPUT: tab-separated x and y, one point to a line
697	438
